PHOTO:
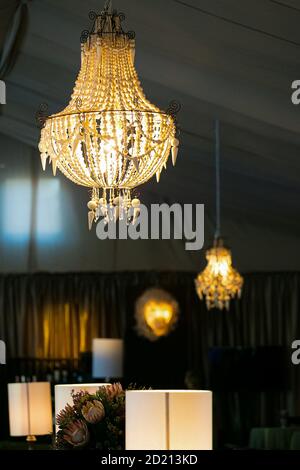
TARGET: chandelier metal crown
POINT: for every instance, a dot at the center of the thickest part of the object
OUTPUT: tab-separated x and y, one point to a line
110	137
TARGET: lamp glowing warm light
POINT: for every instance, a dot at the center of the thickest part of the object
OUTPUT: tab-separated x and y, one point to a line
30	409
108	358
168	420
156	314
219	282
109	138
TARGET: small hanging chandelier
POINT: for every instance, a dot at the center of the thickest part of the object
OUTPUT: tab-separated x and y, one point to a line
219	282
109	138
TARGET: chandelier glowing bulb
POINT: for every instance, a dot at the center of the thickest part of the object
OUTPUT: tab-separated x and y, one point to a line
219	282
109	138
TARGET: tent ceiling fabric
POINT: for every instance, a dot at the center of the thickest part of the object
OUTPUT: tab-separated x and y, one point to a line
215	68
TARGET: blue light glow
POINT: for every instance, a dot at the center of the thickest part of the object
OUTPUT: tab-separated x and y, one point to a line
48	219
22	214
16	209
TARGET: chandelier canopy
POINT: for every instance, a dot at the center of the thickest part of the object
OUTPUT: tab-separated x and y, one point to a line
109	138
219	282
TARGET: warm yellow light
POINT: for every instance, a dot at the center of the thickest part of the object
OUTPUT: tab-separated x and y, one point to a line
169	420
110	137
219	281
30	409
156	314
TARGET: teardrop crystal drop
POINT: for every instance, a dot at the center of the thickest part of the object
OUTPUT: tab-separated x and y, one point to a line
174	155
54	166
136	164
43	160
91	216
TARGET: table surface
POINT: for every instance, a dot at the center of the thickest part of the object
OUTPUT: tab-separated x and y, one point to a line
23	445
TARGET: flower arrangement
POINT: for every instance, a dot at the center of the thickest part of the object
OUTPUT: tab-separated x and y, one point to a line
95	421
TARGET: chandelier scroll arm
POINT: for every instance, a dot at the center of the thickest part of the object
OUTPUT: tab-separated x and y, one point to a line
42	114
78	104
172	110
131	34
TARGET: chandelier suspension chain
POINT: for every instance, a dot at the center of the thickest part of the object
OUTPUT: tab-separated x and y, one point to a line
218	179
219	282
108	6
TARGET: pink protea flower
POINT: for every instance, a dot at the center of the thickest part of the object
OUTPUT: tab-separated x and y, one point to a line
79	397
64	415
77	434
113	390
93	411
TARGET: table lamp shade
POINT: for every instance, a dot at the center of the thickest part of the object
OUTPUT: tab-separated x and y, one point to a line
2	353
107	358
168	420
63	394
30	410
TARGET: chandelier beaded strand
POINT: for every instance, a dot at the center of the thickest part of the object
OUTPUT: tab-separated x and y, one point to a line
219	282
109	138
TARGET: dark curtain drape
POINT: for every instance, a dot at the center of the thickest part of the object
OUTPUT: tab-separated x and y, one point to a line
16	12
57	315
266	315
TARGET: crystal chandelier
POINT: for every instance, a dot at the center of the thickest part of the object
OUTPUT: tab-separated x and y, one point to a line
109	138
219	282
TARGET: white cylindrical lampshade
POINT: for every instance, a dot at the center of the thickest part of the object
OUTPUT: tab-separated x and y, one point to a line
63	394
168	420
2	353
107	358
30	410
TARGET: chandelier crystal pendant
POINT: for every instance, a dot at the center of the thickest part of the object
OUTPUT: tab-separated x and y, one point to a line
219	282
109	138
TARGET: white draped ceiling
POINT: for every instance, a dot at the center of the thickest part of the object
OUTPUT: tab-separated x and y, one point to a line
232	60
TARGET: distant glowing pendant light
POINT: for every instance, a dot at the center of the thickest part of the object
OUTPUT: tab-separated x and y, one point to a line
109	138
156	314
219	282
